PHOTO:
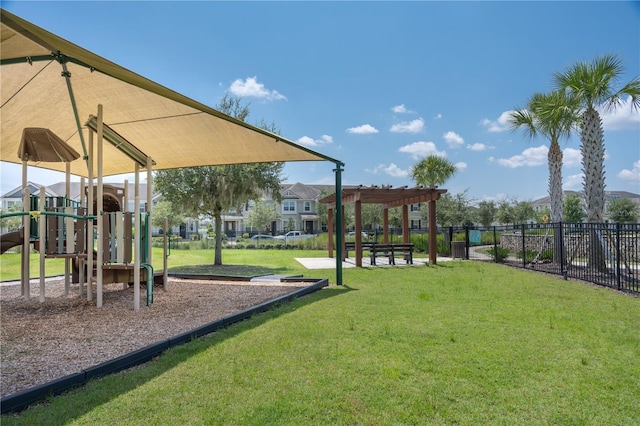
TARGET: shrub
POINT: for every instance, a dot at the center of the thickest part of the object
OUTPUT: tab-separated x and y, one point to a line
498	253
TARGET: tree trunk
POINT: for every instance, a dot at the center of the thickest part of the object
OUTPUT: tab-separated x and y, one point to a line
556	196
592	138
218	229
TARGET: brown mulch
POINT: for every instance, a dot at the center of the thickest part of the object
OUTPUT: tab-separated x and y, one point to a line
40	342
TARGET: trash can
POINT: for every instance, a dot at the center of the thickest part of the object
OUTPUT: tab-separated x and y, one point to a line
457	249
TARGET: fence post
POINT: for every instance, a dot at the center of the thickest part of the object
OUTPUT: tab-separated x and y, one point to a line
524	253
495	245
562	247
466	242
618	255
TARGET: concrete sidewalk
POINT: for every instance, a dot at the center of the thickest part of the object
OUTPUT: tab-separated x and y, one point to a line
350	262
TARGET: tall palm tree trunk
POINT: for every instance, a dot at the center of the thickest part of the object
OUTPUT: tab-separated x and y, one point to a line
555	194
592	149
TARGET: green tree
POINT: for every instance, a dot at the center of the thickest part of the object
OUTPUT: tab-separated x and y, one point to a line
552	115
593	85
432	171
573	211
486	212
623	210
291	225
166	209
505	213
544	215
212	190
11	223
372	215
322	209
261	215
523	211
453	210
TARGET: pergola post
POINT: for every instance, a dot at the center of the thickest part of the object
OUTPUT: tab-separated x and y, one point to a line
405	223
432	231
358	213
330	231
385	225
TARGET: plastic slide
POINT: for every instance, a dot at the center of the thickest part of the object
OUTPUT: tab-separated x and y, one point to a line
11	239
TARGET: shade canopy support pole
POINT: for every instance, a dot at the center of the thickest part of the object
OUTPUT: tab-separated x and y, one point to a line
26	226
67	76
136	243
339	234
99	207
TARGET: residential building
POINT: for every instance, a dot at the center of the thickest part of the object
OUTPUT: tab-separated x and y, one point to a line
545	204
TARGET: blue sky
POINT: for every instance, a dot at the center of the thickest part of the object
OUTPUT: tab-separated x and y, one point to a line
378	85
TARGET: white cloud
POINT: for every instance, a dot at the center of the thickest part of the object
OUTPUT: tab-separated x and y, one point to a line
461	166
413	126
624	116
499	125
438	116
251	88
308	141
573	182
571	157
391	170
421	149
633	175
365	129
453	139
477	147
530	157
401	109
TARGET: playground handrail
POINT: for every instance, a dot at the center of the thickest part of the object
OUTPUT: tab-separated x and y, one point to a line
36	213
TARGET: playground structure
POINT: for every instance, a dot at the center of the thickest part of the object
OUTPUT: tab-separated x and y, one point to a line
109	246
51	83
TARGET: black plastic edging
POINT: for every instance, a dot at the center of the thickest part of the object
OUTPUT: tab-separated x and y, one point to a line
20	400
126	361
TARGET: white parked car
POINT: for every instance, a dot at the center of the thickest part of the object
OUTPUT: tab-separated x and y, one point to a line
293	236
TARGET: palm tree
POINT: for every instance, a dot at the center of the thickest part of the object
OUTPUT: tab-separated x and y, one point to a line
553	115
593	85
432	171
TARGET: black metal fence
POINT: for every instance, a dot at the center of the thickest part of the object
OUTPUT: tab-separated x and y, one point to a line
606	254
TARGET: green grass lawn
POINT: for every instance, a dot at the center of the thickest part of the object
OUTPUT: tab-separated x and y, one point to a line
457	343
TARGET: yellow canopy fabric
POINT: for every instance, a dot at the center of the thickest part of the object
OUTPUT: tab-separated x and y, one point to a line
172	129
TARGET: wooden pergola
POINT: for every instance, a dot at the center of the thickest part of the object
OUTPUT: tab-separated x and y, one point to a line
388	198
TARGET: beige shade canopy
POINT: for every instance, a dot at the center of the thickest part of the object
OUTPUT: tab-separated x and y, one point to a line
46	80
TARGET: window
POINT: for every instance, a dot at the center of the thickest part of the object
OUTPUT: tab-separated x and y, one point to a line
415	207
416	224
307	206
289	206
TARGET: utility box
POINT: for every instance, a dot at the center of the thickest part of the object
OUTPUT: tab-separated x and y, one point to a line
457	249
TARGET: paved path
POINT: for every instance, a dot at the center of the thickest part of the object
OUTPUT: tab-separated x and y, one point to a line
350	262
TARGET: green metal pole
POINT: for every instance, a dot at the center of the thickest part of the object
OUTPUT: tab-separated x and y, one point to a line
67	76
338	212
